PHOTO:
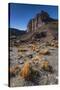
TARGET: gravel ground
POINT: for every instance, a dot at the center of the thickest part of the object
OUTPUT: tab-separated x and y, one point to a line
44	78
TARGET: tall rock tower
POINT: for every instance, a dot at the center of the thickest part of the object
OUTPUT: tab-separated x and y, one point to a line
39	20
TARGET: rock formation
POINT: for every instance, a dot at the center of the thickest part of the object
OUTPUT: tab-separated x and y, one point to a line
38	21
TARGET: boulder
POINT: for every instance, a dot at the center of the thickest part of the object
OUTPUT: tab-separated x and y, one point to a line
44	52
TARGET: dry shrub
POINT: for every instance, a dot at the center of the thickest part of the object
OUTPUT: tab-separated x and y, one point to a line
54	43
33	47
37	59
34	74
16	67
14	70
44	52
45	65
25	71
47	43
28	72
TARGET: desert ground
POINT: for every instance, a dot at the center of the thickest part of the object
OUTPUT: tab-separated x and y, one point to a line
34	64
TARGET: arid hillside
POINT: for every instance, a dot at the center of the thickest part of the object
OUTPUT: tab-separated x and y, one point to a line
33	55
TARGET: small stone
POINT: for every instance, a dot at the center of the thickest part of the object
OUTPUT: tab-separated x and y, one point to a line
21	62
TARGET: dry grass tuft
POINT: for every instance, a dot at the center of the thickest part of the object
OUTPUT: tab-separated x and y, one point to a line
28	72
54	43
35	58
33	47
25	71
45	65
14	70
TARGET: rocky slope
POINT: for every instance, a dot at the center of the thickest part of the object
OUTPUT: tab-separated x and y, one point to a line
19	56
33	56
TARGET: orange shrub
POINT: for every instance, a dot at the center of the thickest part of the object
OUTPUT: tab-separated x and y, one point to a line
16	67
14	70
25	71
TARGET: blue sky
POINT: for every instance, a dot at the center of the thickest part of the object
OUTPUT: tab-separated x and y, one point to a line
20	14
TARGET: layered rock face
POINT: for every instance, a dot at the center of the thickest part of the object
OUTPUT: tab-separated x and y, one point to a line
38	21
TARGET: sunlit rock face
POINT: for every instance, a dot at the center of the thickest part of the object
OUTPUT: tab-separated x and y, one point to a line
39	20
